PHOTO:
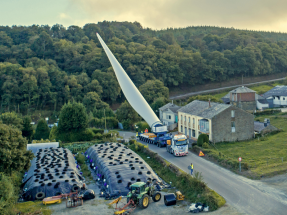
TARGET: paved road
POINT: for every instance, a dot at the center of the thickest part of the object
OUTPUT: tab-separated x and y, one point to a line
247	196
222	88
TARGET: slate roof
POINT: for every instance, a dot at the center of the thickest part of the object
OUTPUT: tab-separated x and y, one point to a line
263	101
242	90
276	91
258	126
170	106
202	109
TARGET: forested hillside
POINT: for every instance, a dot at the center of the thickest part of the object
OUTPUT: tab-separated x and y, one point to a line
43	67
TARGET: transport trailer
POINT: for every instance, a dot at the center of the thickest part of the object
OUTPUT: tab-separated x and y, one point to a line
159	139
178	145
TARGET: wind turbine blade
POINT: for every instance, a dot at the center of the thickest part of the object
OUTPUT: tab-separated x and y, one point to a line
134	97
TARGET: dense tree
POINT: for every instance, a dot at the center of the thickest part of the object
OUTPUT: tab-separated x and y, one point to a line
127	115
158	103
42	130
13	150
73	117
27	130
11	118
153	89
43	67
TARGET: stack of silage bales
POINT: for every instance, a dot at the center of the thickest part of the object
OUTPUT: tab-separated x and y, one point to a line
53	172
118	167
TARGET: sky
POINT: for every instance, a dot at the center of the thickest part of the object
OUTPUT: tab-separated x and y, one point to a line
267	15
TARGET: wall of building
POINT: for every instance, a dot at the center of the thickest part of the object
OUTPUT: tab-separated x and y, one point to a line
184	124
165	118
280	101
246	97
261	106
221	126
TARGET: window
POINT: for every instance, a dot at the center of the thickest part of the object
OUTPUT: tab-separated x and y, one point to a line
168	116
188	119
232	113
283	98
185	118
193	120
181	129
181	118
193	132
232	126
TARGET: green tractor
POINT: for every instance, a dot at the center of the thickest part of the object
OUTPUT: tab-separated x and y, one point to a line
141	192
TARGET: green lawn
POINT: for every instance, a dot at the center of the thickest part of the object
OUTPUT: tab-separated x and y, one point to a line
257	152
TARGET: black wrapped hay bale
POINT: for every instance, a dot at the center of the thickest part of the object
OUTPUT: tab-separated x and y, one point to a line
170	199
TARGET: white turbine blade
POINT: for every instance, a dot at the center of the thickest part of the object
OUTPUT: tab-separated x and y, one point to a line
134	97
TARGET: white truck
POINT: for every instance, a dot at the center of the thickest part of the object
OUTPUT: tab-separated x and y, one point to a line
178	145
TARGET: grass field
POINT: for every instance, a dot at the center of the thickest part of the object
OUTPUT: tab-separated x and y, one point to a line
263	155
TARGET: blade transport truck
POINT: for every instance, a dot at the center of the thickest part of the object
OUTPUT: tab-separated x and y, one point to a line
178	145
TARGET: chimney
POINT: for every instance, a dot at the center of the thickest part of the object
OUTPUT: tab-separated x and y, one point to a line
209	103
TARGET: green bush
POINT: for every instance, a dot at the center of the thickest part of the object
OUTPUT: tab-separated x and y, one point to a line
96	130
267	112
76	136
203	138
42	130
142	126
205	145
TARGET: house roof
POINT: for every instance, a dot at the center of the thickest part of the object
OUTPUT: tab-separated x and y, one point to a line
258	126
242	89
202	109
170	106
276	91
263	101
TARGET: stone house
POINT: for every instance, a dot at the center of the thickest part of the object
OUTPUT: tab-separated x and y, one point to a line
168	115
277	96
264	127
221	122
246	99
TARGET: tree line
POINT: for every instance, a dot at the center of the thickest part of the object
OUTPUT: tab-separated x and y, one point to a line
43	67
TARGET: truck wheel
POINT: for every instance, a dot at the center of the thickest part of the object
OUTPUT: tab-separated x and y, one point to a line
144	201
156	197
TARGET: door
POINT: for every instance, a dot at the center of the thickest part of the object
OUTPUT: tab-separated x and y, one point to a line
176	118
185	131
189	133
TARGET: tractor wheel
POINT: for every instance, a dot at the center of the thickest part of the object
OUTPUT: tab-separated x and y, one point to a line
144	201
156	197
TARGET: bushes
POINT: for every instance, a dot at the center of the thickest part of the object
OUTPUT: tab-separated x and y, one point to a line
42	130
111	122
76	136
267	112
203	138
142	126
96	130
205	145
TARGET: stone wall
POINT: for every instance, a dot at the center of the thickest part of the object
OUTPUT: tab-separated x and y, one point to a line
221	126
245	105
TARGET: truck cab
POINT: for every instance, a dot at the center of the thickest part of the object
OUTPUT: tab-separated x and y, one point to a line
178	145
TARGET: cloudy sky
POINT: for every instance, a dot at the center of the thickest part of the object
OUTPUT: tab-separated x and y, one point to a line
267	15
